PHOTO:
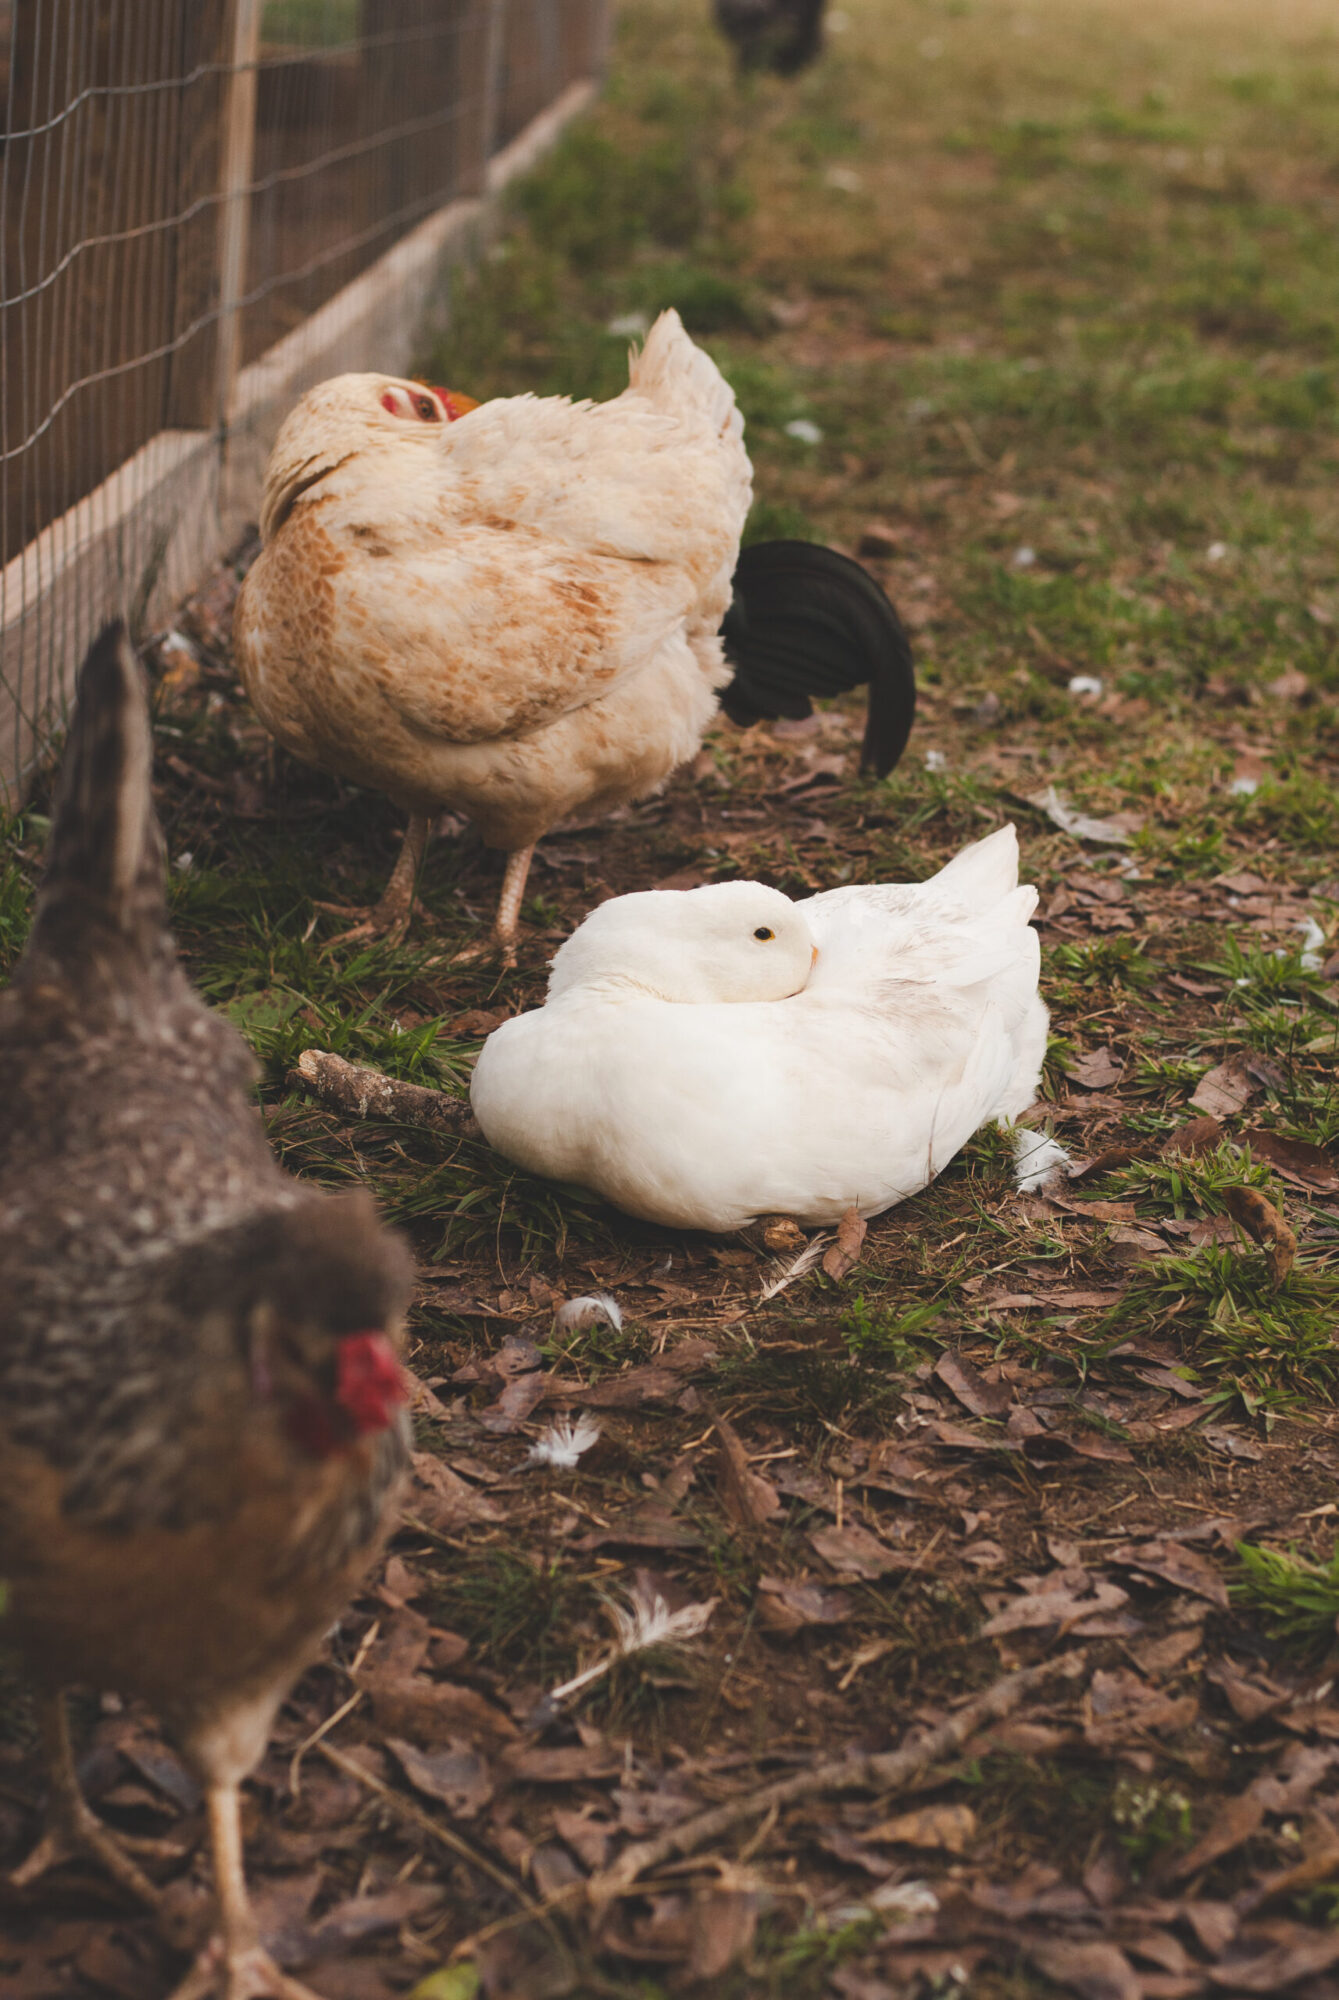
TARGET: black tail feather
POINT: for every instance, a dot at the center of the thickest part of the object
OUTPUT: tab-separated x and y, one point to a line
807	622
104	883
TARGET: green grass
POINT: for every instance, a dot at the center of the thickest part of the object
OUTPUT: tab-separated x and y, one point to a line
312	24
1297	1598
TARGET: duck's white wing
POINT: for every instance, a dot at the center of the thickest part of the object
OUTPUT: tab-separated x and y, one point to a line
947	970
967	926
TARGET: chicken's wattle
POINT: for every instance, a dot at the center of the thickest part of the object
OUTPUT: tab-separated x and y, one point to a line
369	1387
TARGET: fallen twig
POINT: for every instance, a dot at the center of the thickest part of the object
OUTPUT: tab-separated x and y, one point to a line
878	1773
366	1093
424	1824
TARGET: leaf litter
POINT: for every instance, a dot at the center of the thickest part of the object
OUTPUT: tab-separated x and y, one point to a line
971	1492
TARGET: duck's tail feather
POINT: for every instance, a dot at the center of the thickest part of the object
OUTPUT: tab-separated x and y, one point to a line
103	893
983	875
806	622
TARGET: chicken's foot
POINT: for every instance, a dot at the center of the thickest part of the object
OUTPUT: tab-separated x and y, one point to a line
506	924
389	919
234	1965
74	1829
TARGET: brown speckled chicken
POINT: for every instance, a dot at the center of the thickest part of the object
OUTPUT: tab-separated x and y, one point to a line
516	614
201	1415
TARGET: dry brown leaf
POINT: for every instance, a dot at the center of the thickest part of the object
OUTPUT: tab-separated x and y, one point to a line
1231	1443
723	1923
1234	1823
586	1835
1058	1605
1248	1699
949	1827
1120	1708
435	1712
853	1551
1264	1224
748	1498
442	1499
791	1605
982	1398
1224	1090
1280	1967
572	1765
1295	1160
844	1254
1197	1135
1184	1568
1096	1971
457	1777
1098	1070
622	1392
521	1396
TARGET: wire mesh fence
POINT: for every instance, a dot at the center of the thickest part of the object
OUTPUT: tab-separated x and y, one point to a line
205	204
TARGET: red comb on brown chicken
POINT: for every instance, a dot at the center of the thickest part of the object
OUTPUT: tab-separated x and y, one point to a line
202	1428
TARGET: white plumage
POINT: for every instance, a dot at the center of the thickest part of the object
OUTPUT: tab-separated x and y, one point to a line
709	1056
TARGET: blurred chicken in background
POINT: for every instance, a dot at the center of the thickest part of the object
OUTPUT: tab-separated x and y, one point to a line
781	35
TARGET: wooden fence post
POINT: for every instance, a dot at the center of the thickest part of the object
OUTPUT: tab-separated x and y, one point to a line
239	145
497	42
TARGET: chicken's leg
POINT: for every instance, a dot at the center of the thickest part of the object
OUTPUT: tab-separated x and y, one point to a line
234	1965
503	941
389	920
73	1828
509	902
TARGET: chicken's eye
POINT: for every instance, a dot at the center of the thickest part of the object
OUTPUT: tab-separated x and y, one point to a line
427	409
763	933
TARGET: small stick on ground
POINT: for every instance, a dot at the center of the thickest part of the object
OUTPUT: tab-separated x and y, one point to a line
425	1826
878	1773
360	1092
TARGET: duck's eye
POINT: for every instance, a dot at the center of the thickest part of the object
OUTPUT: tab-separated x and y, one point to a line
427	409
763	933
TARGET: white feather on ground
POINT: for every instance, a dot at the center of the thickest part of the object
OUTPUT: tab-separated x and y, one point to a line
1038	1158
644	1621
562	1443
594	1309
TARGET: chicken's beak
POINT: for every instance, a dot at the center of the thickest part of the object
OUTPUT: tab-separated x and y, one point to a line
813	956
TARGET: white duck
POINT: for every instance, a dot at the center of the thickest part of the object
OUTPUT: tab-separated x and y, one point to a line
708	1056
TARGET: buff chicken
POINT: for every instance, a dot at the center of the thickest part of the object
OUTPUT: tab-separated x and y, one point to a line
516	614
202	1424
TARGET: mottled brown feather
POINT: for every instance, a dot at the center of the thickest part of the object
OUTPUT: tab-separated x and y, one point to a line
167	1295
